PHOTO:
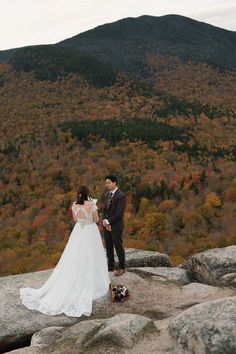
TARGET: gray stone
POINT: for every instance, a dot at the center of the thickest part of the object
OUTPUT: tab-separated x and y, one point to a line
164	345
228	280
165	274
47	336
26	350
82	330
121	330
141	258
209	266
207	328
57	335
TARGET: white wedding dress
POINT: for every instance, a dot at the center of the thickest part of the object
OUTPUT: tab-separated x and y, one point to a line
80	276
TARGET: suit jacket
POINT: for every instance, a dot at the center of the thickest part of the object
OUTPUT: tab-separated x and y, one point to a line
114	211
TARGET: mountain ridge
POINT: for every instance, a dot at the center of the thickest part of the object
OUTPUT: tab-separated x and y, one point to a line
126	43
166	19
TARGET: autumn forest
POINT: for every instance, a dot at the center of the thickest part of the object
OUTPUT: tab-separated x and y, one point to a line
169	136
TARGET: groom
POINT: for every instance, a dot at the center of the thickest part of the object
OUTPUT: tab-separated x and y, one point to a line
113	223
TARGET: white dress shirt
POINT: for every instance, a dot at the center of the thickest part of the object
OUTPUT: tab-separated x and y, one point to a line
105	221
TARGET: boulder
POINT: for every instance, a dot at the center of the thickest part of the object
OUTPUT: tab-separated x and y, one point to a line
207	328
27	350
83	330
209	266
120	331
196	293
165	344
228	280
164	274
141	258
47	336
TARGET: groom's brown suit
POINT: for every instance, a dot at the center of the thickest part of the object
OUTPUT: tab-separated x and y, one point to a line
114	212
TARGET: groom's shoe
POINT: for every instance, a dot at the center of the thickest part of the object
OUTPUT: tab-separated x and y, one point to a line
119	272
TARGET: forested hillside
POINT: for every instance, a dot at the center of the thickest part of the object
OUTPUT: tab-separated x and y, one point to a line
168	136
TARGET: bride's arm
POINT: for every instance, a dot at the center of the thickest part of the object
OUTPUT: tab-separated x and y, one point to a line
95	216
94	210
73	213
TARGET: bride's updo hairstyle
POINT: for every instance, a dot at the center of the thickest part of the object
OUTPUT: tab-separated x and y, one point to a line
82	194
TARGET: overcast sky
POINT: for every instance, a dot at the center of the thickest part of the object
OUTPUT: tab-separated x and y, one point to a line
28	22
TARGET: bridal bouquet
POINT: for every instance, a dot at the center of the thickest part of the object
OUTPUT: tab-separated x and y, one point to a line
118	292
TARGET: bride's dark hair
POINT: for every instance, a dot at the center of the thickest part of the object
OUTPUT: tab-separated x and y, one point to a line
82	194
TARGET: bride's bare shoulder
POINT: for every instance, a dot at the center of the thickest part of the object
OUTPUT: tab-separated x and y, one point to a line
76	206
88	203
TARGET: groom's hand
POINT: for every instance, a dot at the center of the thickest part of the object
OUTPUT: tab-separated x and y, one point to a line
108	228
106	224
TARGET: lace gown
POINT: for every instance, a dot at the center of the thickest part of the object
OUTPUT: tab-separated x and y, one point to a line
80	276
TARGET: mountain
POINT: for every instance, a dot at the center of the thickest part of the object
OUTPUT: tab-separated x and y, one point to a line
127	42
50	63
6	55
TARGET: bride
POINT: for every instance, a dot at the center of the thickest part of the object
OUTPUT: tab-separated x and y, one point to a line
81	275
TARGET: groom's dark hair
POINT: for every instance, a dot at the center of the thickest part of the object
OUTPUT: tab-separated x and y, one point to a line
112	178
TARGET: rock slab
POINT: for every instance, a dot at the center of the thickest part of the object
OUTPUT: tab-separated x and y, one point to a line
209	266
141	258
164	274
207	328
117	333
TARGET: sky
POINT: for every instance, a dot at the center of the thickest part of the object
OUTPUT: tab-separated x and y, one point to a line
31	22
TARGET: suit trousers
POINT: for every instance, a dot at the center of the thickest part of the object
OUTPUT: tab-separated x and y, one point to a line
114	239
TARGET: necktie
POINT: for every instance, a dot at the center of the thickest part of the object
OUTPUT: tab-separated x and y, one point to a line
110	198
